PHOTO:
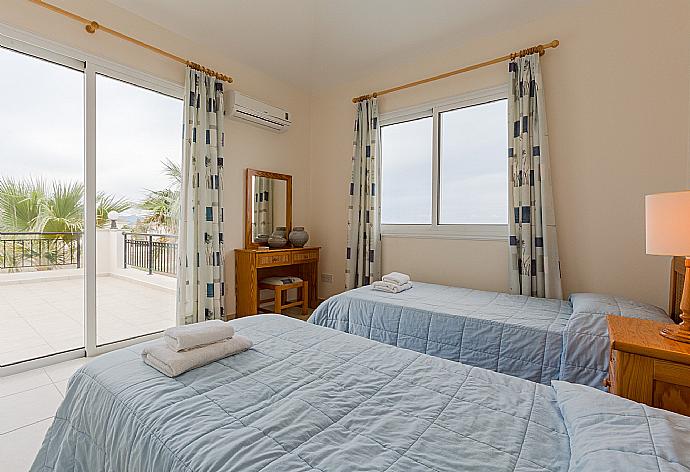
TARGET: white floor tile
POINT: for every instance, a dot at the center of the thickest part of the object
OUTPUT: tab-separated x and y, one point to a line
64	370
62	387
25	408
19	448
21	382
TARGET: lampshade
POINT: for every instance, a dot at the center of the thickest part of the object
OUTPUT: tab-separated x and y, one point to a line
667	221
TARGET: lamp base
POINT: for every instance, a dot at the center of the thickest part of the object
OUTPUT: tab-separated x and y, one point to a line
676	333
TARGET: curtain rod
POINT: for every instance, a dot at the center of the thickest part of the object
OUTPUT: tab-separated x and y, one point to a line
539	48
92	26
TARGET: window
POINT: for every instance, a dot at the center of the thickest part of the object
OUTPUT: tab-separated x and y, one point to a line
406	174
444	171
474	167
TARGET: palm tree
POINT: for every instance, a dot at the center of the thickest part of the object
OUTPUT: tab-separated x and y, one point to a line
20	204
105	204
62	209
173	171
164	205
32	206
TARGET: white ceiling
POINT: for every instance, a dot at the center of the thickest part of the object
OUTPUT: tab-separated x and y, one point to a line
312	42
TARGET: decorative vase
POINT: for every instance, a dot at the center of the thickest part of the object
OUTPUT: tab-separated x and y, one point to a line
262	239
278	237
298	237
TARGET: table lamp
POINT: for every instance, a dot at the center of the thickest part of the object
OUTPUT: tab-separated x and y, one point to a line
667	221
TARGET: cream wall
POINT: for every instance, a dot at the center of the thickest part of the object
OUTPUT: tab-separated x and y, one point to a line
617	93
246	145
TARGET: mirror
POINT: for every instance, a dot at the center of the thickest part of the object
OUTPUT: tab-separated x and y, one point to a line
268	206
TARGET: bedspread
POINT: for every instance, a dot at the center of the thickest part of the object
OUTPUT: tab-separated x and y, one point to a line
304	398
533	338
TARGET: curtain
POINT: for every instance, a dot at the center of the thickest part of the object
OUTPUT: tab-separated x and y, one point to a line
364	212
534	262
200	278
263	206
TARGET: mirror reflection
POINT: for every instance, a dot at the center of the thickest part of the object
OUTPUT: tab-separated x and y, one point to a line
268	207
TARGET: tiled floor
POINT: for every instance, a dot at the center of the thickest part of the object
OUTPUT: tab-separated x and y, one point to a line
28	402
43	317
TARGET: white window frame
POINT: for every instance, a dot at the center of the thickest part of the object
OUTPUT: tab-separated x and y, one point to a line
435	230
90	65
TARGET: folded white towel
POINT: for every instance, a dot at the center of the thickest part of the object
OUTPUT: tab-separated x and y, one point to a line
181	338
396	278
391	287
172	363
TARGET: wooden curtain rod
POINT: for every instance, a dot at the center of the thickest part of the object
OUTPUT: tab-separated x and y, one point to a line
508	57
92	26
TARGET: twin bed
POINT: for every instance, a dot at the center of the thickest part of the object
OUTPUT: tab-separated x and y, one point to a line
309	398
533	338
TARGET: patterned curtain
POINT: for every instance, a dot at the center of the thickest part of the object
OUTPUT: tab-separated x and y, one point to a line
263	206
200	283
535	267
364	212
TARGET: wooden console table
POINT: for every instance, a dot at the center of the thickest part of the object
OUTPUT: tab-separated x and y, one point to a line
252	265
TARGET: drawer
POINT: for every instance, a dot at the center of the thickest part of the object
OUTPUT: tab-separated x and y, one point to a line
305	256
273	259
672	373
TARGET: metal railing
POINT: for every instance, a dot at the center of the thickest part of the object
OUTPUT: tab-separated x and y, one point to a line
155	253
48	249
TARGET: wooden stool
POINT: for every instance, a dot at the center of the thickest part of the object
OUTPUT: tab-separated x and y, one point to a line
280	286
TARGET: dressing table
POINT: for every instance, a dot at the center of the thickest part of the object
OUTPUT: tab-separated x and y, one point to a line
268	204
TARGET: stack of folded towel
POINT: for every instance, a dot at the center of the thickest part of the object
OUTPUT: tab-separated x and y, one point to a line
395	282
187	347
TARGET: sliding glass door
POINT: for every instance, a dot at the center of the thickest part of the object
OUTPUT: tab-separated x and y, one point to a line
138	157
41	205
89	187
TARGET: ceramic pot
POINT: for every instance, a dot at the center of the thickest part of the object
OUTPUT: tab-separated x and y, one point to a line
298	237
262	239
278	237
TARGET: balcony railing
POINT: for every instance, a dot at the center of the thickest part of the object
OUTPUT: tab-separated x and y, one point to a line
24	250
155	253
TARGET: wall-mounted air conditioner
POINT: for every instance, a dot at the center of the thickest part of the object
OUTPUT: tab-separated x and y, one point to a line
249	109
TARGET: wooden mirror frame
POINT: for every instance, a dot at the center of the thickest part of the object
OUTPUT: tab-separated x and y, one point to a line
248	197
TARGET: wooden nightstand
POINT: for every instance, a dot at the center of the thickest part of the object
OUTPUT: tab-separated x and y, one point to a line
647	367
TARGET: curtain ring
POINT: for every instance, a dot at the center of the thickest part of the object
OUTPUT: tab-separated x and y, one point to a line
92	27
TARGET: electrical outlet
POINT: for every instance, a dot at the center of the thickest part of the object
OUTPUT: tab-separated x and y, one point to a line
327	278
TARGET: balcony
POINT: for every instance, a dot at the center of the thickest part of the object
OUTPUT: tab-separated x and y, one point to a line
42	290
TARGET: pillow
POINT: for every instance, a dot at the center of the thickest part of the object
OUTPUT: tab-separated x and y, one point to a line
597	303
615	434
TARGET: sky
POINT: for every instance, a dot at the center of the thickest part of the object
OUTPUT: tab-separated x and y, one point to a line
473	168
42	118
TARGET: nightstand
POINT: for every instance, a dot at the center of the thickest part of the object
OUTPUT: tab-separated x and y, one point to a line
647	367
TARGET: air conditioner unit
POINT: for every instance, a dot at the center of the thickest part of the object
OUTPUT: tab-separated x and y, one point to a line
249	109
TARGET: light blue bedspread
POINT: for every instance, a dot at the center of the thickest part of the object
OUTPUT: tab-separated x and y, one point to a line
533	338
304	398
